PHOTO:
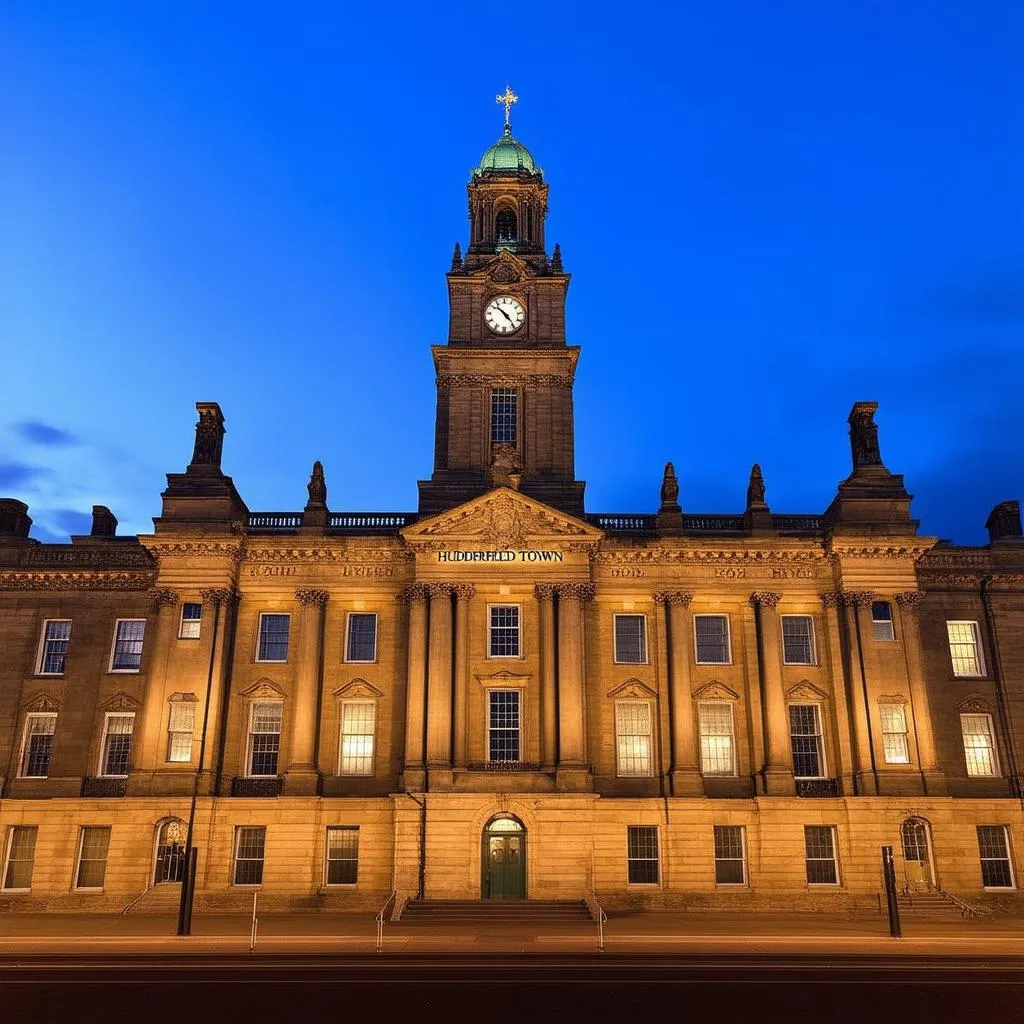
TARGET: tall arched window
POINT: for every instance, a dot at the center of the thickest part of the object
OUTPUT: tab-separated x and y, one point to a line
170	851
505	225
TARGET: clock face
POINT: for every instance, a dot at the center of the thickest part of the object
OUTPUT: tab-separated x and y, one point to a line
504	315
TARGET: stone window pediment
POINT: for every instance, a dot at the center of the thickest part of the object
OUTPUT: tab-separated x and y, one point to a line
178	697
264	689
120	701
42	702
974	704
715	690
357	688
634	689
503	678
806	690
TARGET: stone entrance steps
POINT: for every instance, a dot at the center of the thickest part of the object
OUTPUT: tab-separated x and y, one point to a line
158	899
494	911
934	905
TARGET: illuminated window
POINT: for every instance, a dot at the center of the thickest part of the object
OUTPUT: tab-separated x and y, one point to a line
894	733
273	643
716	738
342	855
642	854
250	842
730	855
711	633
361	641
93	843
504	404
881	621
180	727
191	620
503	726
127	653
633	737
994	850
820	854
37	745
116	748
504	631
964	649
979	745
630	639
805	735
358	719
53	654
797	640
264	738
21	851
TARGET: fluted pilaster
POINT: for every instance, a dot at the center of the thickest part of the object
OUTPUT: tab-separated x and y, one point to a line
778	768
301	775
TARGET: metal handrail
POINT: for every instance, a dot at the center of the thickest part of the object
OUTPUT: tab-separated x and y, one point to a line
136	900
965	908
598	914
380	919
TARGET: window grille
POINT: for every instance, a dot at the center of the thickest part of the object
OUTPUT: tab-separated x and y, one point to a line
994	851
633	737
92	857
894	733
35	762
504	415
21	851
881	621
180	728
342	855
117	744
964	649
642	854
250	841
979	745
191	621
264	738
361	644
631	639
730	855
56	637
503	726
712	634
358	718
504	633
716	738
820	852
273	645
805	733
797	640
128	639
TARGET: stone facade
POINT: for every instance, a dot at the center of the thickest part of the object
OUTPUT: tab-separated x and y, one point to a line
612	687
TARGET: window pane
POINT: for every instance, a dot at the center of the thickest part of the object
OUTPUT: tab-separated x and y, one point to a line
716	739
191	621
56	636
503	725
128	644
805	733
820	854
38	746
994	850
881	621
642	853
273	638
712	632
92	859
633	735
180	729
249	856
117	746
630	639
797	644
504	635
503	415
20	855
963	648
979	749
894	733
362	637
358	719
342	856
729	868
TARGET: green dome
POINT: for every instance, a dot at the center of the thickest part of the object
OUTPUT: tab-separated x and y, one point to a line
507	154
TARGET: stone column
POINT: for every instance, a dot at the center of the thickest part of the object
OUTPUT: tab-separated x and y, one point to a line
573	772
413	773
686	778
931	773
464	593
148	729
545	595
439	686
833	642
301	777
225	604
778	767
864	778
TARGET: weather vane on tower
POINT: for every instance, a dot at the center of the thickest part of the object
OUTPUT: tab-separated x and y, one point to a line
507	98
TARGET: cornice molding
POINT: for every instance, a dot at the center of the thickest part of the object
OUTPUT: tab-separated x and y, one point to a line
98	580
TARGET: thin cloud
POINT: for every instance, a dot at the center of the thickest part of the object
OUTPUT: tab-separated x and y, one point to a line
22	474
37	432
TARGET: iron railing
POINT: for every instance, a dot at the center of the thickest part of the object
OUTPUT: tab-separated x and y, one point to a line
104	787
380	919
369	523
598	914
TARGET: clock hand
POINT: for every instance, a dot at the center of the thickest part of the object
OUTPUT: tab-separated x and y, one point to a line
504	314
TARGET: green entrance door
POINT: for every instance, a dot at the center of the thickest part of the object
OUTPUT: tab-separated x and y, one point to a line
504	860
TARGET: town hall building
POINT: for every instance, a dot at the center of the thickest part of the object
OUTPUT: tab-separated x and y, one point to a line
505	695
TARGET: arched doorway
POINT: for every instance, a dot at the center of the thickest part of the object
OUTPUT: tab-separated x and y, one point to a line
170	851
503	859
917	855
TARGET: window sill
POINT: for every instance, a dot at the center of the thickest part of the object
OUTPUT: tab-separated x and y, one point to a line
15	892
246	885
824	885
616	662
355	661
124	671
643	885
49	675
714	664
733	885
88	890
271	661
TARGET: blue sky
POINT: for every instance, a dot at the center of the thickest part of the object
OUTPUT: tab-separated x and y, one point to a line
770	211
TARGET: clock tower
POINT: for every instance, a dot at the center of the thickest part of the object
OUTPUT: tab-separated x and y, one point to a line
505	376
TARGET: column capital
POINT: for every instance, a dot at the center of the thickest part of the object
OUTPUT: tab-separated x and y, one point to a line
463	591
831	599
910	599
435	590
856	598
765	599
413	592
219	595
580	591
544	591
163	597
677	597
312	597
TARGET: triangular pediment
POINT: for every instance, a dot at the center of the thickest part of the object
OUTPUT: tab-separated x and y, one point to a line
503	678
806	690
502	518
357	688
120	701
264	689
632	688
504	268
715	690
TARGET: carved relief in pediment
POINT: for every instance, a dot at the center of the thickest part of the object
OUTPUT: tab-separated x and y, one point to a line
974	704
503	678
120	701
357	688
634	689
806	690
42	702
264	689
715	690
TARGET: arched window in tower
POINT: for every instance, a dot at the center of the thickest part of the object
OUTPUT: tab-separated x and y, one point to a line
505	225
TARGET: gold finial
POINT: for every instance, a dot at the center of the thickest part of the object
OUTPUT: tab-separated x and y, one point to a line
507	98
